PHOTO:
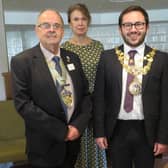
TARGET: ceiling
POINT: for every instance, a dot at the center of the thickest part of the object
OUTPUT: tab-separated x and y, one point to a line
93	5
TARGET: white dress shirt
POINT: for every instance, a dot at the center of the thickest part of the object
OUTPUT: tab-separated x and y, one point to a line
137	111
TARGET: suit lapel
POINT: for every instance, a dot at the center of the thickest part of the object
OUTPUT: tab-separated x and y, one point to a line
70	67
119	69
68	62
44	72
145	77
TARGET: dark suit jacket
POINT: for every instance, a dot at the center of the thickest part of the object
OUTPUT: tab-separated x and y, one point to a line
108	90
37	101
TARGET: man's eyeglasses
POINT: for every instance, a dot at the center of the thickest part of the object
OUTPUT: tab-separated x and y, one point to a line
138	25
46	26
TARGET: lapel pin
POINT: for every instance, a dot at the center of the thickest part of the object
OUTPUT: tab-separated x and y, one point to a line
68	58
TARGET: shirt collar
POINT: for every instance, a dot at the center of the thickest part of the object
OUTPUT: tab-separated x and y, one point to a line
139	49
47	54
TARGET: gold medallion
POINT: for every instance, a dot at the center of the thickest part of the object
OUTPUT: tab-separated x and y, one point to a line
135	87
66	97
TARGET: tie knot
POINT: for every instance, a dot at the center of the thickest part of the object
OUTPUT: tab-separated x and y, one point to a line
56	59
132	53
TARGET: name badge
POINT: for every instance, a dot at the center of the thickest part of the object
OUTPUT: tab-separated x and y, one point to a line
71	67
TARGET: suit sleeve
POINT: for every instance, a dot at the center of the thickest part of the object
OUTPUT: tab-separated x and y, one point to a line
36	118
98	100
162	134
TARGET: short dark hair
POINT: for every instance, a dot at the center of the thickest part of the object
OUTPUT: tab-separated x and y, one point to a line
80	7
133	8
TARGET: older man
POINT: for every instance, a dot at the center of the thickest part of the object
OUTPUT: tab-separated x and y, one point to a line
51	94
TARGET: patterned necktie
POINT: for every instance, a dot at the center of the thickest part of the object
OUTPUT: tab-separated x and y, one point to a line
128	102
60	87
56	59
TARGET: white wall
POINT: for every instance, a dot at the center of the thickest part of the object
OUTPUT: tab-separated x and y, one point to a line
97	18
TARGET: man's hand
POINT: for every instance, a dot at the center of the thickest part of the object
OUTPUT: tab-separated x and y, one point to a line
102	142
160	149
73	133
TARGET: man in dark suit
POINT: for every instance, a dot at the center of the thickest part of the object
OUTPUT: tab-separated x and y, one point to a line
130	99
52	97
